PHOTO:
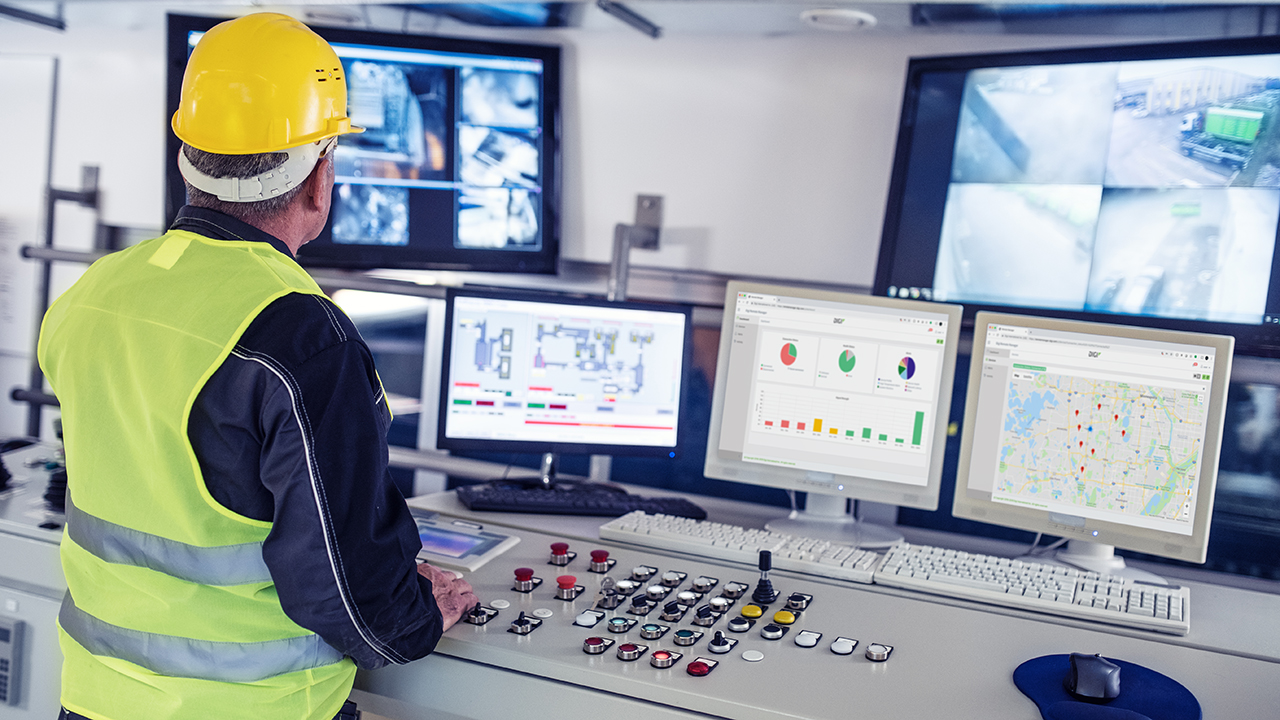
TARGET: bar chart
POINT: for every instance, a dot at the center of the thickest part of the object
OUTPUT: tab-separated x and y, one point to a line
840	417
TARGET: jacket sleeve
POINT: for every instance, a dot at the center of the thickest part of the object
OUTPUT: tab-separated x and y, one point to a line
342	545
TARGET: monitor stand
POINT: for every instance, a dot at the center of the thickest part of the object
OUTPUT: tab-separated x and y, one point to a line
826	518
1102	559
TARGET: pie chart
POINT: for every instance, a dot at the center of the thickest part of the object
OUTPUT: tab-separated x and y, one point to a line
847	361
907	368
789	352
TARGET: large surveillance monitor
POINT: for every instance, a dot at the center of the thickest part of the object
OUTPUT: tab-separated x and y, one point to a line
1103	434
841	395
457	166
549	373
1140	181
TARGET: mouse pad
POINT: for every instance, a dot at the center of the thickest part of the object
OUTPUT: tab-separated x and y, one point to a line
1144	693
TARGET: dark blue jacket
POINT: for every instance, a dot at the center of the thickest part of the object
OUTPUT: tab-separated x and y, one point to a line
341	549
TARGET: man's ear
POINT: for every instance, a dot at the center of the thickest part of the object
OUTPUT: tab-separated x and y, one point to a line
316	189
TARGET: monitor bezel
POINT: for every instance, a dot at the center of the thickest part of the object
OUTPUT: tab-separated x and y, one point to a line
1262	339
368	257
858	488
1192	548
444	442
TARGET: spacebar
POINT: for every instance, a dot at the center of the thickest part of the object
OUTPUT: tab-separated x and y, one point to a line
969	583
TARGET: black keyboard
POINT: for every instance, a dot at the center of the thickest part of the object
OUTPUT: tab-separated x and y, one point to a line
576	501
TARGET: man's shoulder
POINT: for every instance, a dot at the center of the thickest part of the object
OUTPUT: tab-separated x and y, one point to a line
298	326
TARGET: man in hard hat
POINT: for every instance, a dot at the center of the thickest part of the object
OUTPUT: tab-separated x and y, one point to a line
234	545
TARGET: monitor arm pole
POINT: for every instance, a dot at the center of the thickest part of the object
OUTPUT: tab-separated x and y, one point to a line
644	235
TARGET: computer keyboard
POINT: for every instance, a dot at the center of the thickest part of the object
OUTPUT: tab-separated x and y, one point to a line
1038	587
572	501
730	542
1031	586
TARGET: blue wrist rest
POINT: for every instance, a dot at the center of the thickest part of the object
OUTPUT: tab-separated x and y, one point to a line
1144	693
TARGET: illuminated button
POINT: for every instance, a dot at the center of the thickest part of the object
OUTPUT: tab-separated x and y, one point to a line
784	617
686	598
641	572
662	659
656	592
734	590
685	637
719	604
619	625
651	631
671	578
703	584
698	668
626	587
752	656
752	611
594	645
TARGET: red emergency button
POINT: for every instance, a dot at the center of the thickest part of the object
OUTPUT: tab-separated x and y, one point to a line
566	582
524	574
697	668
560	553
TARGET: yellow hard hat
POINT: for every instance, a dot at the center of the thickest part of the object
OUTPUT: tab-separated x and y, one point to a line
261	83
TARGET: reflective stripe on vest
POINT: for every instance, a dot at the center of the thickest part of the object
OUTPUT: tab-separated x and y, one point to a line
221	565
203	659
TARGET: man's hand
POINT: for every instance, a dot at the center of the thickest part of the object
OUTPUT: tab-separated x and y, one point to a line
454	595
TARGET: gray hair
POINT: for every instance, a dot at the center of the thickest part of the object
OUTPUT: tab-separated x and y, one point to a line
238	166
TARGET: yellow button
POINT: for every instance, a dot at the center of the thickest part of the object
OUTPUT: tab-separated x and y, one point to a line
784	617
752	611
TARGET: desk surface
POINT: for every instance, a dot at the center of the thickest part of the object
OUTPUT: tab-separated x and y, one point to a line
952	658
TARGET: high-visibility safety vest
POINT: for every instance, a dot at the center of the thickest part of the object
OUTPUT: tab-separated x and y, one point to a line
170	611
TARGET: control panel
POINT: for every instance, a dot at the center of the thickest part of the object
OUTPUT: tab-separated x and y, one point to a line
679	631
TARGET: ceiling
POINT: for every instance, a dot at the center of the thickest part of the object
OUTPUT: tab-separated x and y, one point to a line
1172	18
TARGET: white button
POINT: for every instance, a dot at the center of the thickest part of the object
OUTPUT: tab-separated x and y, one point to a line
842	646
10	605
543	613
500	604
807	638
587	619
753	656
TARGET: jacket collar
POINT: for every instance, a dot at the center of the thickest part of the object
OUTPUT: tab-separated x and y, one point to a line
217	226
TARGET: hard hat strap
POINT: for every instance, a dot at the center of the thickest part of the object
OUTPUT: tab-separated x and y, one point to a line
272	183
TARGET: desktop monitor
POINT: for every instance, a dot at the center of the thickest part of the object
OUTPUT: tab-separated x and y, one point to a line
841	395
550	373
457	166
1103	434
1140	181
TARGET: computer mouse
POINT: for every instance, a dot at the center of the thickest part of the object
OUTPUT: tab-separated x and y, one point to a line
1093	678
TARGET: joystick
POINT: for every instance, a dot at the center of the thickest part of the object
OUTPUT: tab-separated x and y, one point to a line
764	592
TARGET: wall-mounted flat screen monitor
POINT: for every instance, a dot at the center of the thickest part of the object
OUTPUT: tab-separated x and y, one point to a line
1141	181
457	167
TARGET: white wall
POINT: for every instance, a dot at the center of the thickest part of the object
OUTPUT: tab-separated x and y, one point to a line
773	153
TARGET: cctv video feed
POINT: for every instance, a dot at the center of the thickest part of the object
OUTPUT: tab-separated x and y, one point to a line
1145	188
436	123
